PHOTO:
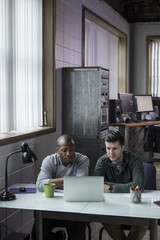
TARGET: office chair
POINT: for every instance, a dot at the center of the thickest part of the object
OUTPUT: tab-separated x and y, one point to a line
150	184
150	176
89	231
60	226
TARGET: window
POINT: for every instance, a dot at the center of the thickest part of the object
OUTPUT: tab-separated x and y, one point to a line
105	46
153	44
101	49
27	33
21	65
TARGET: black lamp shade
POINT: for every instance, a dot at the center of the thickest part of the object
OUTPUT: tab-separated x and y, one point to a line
28	155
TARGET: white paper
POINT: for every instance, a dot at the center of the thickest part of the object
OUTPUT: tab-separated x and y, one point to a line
58	192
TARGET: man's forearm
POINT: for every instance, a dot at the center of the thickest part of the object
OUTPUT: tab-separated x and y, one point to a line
58	182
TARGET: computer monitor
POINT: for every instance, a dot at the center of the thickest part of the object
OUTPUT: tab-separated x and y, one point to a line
127	102
143	103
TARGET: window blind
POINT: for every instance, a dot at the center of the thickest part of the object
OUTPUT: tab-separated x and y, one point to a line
101	49
20	64
155	69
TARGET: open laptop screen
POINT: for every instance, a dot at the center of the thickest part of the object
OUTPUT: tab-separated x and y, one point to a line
87	188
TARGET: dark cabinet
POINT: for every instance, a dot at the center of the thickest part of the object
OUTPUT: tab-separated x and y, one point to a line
85	109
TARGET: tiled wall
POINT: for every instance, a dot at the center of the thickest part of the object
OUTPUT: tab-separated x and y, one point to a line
68	33
69	28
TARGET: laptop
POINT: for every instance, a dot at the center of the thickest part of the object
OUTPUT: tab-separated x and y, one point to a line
84	189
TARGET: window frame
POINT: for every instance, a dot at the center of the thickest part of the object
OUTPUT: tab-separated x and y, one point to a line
87	13
48	79
149	39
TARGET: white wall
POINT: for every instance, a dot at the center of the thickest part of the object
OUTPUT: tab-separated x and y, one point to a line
138	57
68	53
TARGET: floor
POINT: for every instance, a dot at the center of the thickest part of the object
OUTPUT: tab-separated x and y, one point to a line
97	226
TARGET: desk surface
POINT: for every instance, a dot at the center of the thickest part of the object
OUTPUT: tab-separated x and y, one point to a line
116	208
118	204
115	204
134	124
38	201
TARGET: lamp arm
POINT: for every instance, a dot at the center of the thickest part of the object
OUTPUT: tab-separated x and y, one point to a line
6	169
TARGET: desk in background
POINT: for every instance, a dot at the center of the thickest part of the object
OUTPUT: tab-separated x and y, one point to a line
134	136
115	209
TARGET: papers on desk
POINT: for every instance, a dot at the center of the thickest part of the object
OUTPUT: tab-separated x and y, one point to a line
151	194
57	193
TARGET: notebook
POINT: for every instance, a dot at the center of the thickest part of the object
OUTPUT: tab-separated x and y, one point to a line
26	190
84	189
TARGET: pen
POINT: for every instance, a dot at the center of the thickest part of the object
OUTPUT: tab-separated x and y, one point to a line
136	188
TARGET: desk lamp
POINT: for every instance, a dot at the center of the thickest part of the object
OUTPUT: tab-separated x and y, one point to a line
28	156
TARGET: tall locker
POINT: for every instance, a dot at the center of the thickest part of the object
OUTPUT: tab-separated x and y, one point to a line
85	109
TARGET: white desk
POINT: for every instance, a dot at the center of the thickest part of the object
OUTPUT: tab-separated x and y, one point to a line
115	209
118	209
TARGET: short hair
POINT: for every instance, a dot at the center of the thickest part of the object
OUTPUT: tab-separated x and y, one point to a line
64	139
114	136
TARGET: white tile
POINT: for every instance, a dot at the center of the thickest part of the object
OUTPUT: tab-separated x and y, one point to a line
66	64
59	52
13	178
72	32
2	168
28	174
7	149
14	163
68	11
76	4
66	40
26	216
67	26
59	37
78	59
59	22
78	45
14	221
77	30
2	214
59	64
72	57
72	43
59	6
27	228
11	211
66	55
2	183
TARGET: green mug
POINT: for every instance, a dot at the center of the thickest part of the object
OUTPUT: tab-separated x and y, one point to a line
49	189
